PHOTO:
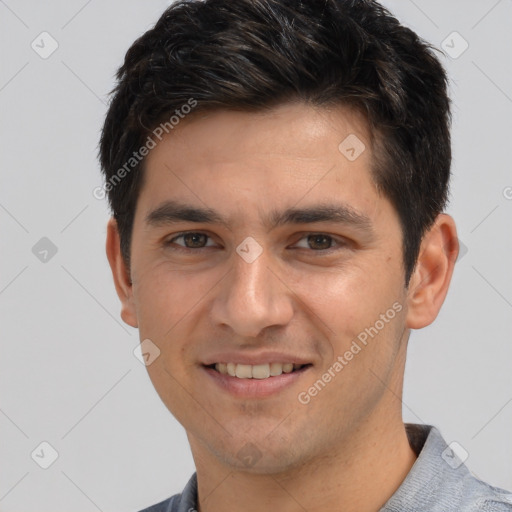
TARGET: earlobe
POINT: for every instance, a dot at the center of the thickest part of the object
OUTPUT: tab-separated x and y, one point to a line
433	272
121	274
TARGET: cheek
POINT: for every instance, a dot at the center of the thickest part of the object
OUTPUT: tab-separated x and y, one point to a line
164	295
161	302
172	307
346	299
360	312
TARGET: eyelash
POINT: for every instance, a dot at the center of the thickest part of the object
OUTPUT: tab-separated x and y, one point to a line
340	243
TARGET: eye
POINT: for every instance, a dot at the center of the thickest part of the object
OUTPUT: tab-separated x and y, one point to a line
318	242
191	240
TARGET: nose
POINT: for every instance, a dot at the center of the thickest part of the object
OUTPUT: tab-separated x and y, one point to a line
252	297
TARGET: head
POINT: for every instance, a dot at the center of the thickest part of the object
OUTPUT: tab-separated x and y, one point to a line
313	136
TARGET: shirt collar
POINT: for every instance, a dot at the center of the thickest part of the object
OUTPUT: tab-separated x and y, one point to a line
436	474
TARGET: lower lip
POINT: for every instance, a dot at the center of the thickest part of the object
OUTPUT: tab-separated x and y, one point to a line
255	388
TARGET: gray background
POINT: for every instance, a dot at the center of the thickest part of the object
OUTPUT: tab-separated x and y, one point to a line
68	373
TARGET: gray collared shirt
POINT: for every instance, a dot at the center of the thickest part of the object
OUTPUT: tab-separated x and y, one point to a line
437	482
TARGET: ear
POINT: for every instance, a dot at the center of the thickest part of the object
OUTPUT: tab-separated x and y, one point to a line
433	272
121	274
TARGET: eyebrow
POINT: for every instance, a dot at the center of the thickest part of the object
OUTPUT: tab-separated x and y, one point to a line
173	211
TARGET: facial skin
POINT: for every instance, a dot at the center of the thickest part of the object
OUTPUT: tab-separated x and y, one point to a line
305	298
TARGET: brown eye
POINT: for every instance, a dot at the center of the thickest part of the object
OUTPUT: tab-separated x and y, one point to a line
191	240
195	240
319	242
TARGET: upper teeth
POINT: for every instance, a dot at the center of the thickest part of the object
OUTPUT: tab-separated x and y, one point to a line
256	371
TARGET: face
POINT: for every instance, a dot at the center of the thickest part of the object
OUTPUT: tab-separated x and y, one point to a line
259	247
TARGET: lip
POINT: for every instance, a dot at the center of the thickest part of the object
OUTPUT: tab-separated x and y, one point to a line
254	359
255	388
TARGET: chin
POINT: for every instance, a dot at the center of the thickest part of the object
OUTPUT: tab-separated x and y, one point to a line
258	454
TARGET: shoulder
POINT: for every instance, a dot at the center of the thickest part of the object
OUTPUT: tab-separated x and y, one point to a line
483	497
440	481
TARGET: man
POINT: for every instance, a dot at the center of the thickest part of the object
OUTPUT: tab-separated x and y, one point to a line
277	172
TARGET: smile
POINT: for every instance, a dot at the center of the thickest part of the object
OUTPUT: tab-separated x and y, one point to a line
256	381
257	371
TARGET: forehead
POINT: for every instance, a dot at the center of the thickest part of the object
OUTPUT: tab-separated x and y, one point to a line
291	129
291	154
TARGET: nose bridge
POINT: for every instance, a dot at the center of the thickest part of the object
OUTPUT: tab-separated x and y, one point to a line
251	281
252	298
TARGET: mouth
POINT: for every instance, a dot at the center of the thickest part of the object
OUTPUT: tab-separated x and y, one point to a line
254	381
257	371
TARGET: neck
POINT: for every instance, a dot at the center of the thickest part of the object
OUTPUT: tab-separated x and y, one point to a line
361	476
